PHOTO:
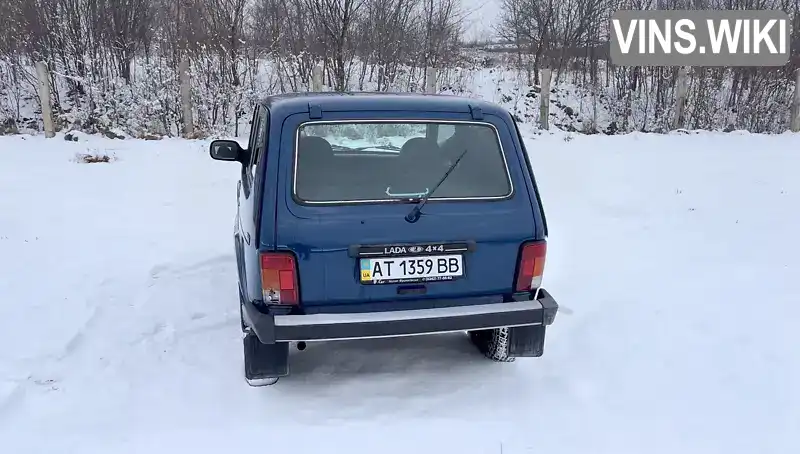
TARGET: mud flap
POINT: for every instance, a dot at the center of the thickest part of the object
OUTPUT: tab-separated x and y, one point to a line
526	341
265	360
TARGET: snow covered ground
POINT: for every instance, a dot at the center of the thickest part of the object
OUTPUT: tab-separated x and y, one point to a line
675	258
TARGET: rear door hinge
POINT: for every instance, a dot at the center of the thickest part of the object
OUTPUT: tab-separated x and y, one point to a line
314	111
477	113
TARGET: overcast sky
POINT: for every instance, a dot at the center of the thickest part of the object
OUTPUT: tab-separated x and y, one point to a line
482	16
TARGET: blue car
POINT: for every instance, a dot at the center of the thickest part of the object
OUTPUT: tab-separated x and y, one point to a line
368	215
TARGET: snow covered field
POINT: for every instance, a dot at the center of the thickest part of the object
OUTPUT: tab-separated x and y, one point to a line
676	259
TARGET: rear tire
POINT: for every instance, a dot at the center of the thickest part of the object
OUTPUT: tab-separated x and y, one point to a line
241	318
495	344
241	311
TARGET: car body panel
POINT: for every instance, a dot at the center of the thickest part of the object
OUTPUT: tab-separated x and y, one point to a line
269	219
321	236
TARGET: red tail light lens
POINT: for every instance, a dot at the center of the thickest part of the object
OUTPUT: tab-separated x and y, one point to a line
531	266
278	278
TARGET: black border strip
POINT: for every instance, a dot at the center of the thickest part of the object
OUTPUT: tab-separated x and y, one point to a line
408	327
263	324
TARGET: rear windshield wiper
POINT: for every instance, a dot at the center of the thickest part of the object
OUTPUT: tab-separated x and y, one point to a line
371	147
379	147
413	215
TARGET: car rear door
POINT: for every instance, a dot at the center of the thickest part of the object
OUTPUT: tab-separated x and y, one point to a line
338	246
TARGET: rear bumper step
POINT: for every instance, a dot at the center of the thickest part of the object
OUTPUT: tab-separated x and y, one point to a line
320	327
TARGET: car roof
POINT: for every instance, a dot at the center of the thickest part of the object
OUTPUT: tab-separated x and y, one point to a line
354	101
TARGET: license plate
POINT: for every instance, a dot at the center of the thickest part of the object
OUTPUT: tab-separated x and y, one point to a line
422	268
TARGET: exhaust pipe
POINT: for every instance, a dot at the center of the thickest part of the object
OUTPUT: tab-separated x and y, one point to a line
301	346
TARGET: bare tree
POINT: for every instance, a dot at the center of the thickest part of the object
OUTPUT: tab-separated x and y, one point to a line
384	30
114	63
333	23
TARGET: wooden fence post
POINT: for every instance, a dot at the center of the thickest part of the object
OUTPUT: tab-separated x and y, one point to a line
681	90
186	98
430	80
44	98
316	78
795	110
544	98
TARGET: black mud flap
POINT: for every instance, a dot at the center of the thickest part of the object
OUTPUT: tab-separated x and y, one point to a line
265	360
526	341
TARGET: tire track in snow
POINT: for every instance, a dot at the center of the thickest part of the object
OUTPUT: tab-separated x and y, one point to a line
167	270
187	318
36	376
102	326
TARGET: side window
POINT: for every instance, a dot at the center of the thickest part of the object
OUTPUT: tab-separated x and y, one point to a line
254	127
254	147
258	151
258	135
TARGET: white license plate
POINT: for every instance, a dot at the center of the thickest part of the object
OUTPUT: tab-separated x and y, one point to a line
426	268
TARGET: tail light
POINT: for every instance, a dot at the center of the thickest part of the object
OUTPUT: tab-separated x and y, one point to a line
278	278
531	266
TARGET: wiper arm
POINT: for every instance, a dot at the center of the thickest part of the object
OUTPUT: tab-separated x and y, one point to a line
378	147
370	147
413	215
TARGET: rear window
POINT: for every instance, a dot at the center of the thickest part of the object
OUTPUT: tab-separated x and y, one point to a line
391	161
